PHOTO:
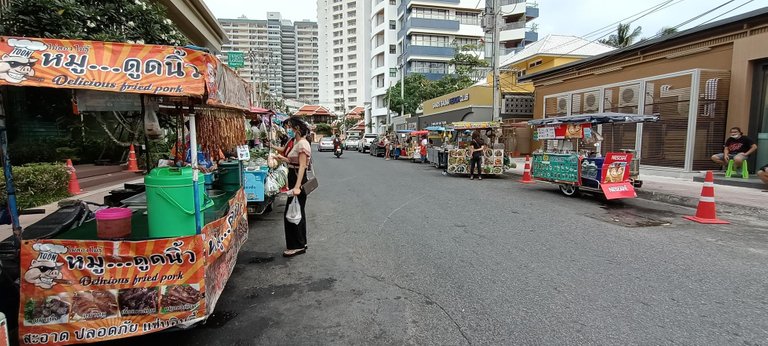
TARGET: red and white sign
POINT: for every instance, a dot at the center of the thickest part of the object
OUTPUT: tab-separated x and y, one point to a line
616	168
618	190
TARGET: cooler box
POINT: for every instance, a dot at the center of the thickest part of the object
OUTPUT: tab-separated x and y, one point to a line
230	175
170	202
254	185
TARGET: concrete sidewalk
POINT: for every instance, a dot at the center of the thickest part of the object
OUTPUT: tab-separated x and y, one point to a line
686	192
95	196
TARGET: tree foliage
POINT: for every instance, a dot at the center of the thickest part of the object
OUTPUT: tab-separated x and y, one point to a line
140	21
418	88
665	31
623	37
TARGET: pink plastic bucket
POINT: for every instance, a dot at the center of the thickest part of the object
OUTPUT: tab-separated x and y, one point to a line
113	223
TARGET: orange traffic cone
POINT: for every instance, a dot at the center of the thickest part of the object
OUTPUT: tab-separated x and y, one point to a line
74	185
133	166
705	213
527	179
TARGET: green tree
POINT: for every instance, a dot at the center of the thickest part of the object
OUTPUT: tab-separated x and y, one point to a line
623	37
417	89
466	60
665	31
140	21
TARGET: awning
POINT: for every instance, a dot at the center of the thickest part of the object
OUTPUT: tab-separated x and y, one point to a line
435	128
596	118
419	133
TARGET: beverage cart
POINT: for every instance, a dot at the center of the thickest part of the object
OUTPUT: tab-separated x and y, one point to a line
570	155
436	153
459	155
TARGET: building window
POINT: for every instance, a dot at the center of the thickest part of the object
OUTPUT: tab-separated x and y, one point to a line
392	25
352	91
352	48
380	81
352	56
520	74
351	5
535	63
352	31
352	40
353	100
465	41
351	14
393	2
469	18
352	82
352	65
352	74
430	13
392	49
429	67
430	41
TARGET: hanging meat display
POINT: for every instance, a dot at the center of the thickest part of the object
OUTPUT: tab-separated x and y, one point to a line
220	131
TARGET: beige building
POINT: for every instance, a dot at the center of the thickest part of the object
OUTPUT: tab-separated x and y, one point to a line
700	82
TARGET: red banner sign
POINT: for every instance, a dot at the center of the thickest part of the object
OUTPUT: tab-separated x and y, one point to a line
618	190
615	177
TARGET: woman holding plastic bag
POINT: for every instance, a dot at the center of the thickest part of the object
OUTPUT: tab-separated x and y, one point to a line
297	154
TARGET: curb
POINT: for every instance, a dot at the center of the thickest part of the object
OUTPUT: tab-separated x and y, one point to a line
692	202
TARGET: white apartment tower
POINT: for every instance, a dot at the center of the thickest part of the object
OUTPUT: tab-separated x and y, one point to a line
345	49
514	31
277	52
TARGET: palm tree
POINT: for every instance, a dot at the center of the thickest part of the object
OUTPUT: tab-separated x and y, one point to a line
665	31
623	38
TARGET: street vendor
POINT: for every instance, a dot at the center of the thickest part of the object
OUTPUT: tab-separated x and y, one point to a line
737	147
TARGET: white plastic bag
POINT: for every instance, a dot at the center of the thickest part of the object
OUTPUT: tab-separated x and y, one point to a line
294	212
271	186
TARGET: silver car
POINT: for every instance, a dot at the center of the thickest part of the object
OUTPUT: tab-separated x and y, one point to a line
326	143
351	142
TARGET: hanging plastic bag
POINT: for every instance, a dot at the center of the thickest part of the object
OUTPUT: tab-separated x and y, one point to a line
294	212
151	122
271	186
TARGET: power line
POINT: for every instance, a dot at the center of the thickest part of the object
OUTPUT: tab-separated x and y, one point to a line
729	11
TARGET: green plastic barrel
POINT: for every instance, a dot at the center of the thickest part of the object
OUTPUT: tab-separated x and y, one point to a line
230	175
170	202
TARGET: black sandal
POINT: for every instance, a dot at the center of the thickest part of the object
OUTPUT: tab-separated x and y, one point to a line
295	253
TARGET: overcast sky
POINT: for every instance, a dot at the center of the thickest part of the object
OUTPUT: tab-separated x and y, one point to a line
575	17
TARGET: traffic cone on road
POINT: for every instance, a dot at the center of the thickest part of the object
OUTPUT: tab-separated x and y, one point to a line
133	166
527	179
74	185
705	212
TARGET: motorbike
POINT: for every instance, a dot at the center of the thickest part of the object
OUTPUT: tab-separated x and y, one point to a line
337	151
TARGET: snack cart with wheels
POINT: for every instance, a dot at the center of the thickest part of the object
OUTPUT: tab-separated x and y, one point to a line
459	156
415	149
437	155
133	272
570	155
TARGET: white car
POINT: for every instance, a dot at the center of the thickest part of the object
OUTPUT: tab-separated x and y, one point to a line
365	143
351	142
326	143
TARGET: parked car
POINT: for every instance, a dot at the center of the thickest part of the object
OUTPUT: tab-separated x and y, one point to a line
326	143
351	142
365	143
377	147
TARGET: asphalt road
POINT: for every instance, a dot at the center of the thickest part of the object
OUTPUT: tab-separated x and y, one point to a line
400	254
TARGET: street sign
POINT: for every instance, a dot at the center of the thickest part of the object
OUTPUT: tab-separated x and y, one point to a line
235	59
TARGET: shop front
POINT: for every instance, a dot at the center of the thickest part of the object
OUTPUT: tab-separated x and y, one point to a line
472	104
700	82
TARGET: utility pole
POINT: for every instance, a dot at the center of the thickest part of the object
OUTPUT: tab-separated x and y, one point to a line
496	52
402	79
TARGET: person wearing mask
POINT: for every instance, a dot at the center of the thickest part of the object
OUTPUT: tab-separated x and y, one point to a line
476	149
297	154
737	147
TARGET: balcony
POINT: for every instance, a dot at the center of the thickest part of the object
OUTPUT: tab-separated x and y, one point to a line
443	52
450	24
515	36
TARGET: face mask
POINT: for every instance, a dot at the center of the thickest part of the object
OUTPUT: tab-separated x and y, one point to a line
735	136
291	134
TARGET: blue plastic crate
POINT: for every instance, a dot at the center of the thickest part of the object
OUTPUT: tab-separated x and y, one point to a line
254	185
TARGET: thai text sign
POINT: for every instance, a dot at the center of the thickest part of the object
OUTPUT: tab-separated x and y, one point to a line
556	167
105	66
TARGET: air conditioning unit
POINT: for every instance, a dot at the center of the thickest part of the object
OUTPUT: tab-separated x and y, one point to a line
591	101
629	95
562	105
683	95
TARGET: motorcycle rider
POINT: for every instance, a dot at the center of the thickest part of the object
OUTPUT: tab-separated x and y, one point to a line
337	144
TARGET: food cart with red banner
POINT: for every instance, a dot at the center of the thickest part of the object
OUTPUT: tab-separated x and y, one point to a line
76	287
570	155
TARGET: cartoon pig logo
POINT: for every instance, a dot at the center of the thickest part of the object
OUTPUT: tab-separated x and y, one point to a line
45	271
17	65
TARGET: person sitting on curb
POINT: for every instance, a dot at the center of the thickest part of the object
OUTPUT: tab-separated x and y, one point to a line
762	173
738	147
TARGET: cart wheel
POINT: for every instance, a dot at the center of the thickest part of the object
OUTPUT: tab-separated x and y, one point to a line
569	190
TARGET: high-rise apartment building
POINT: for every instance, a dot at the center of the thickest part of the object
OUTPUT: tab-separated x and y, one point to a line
345	48
515	33
278	53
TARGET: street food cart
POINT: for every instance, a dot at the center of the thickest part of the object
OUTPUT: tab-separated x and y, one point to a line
149	272
415	148
570	155
459	156
437	155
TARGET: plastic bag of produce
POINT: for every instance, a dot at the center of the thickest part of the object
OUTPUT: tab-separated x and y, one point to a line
294	212
271	186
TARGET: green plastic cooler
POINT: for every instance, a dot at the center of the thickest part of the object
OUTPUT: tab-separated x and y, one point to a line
230	175
170	202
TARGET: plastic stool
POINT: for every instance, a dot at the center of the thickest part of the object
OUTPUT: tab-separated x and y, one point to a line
744	170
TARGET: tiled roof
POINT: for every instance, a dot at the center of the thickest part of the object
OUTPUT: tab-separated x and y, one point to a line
557	45
309	110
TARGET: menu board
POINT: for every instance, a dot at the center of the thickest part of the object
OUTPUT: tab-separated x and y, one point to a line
491	163
556	167
75	291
